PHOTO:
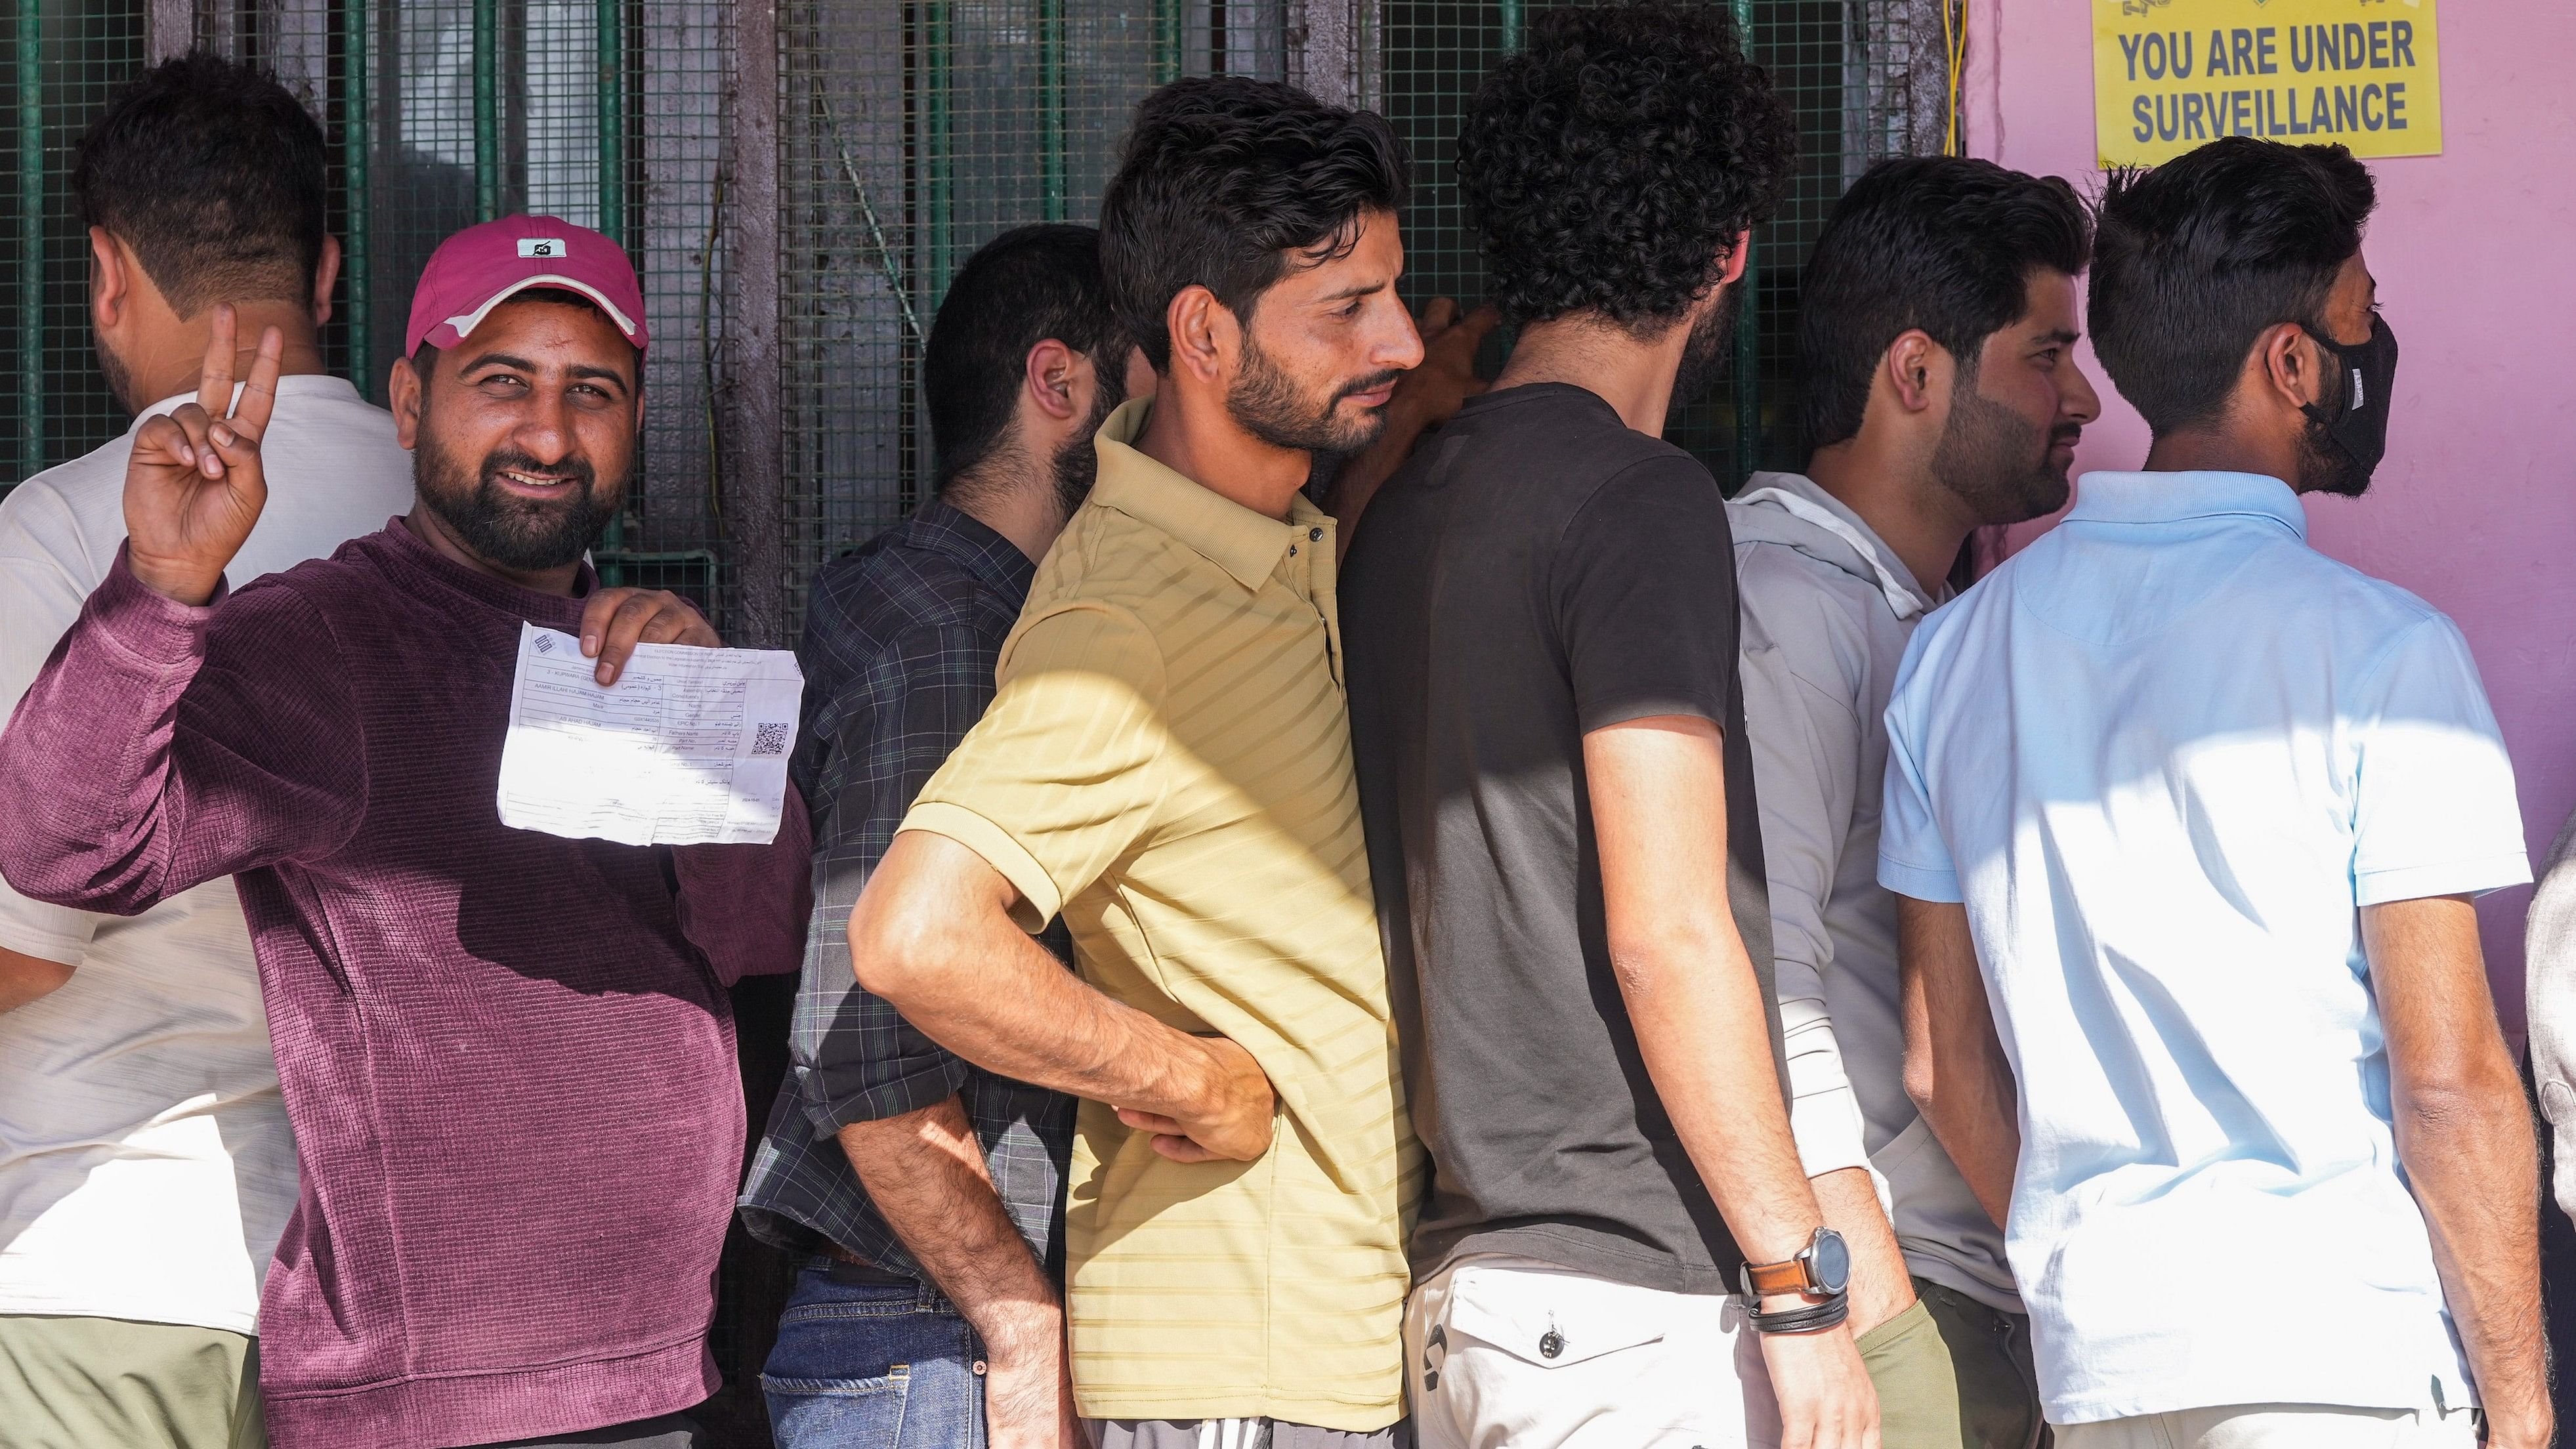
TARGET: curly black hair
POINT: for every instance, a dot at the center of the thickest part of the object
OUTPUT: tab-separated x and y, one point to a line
1611	162
1221	178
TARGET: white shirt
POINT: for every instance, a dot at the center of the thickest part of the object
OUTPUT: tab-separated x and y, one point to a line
2164	755
146	1165
1828	608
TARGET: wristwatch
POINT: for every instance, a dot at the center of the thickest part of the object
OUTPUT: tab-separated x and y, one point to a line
1822	1269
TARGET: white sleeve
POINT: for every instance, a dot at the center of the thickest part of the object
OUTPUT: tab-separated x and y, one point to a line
40	599
2549	1003
1913	859
2434	812
1805	744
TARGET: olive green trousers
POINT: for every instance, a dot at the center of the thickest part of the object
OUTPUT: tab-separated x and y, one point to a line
107	1383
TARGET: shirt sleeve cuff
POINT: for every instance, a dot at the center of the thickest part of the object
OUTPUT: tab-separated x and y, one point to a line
1923	883
28	939
147	625
1039	899
832	1103
1828	1128
2450	878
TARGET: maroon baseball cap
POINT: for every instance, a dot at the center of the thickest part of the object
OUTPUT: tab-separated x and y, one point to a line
483	266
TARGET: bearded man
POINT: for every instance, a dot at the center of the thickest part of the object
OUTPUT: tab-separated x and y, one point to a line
1166	763
507	1056
1938	324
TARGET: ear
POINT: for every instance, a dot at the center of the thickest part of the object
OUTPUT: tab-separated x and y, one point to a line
1205	336
1735	259
1917	370
326	278
1053	377
403	395
111	286
2288	367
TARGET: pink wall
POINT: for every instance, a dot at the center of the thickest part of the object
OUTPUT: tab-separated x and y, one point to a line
2475	507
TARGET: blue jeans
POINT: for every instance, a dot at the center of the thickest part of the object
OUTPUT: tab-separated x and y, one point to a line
863	1365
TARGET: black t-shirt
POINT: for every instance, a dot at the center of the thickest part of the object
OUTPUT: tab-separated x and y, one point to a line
1537	571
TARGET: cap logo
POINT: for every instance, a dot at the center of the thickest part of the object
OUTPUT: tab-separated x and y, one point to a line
542	246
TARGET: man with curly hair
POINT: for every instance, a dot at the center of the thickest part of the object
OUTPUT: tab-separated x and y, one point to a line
1560	805
1166	764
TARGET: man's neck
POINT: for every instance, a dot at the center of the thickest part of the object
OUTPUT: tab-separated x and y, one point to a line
175	365
1897	496
1198	439
430	529
1012	498
2223	450
1635	378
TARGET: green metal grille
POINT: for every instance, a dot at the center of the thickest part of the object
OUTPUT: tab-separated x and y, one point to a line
1856	75
65	56
788	291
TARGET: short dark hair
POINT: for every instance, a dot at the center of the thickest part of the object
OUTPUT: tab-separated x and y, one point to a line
1019	289
1942	243
213	174
1221	177
2196	257
1611	162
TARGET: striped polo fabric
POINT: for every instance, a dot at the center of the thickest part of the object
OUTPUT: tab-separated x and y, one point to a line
1167	763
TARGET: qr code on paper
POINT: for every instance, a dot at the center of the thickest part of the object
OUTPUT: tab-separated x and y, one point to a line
769	739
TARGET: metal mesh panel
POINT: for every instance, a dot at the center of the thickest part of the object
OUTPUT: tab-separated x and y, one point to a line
64	59
1849	69
912	134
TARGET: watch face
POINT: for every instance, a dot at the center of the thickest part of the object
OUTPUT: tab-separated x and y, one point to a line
1830	1260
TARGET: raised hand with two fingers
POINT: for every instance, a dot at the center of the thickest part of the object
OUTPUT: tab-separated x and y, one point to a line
194	485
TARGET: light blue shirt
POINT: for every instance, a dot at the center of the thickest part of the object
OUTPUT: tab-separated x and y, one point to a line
2163	756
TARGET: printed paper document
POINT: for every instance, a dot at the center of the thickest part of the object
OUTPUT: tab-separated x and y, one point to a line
689	746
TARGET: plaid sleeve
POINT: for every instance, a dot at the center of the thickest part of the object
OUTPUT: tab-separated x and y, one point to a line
888	726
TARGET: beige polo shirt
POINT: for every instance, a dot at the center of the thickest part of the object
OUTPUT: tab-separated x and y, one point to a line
1168	763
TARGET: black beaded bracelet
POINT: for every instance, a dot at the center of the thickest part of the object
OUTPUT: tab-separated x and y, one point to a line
1814	1318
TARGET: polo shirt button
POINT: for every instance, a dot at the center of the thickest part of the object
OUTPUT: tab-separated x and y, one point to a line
1314	535
1551	1344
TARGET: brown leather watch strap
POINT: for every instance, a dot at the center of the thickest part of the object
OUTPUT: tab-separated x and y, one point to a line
1770	1278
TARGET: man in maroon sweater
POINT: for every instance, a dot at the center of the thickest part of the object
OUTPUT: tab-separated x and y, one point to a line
506	1055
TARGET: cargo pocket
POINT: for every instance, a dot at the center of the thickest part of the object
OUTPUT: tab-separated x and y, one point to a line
1552	1320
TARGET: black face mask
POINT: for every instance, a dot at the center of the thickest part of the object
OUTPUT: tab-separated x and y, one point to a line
2359	426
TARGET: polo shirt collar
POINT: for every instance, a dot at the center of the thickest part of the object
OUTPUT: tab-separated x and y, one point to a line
1243	543
2174	497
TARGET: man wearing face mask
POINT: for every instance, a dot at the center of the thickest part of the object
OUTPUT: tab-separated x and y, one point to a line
2185	819
507	1055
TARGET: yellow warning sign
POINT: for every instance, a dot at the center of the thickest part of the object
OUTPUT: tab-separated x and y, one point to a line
2169	75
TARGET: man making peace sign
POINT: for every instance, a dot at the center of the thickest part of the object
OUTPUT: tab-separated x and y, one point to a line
507	1055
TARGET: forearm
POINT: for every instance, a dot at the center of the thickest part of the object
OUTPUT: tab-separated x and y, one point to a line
957	968
1955	1068
25	978
925	1173
1881	1287
2463	1131
2475	1171
1701	1032
84	761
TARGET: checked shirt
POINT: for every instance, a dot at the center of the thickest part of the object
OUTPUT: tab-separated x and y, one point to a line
900	642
